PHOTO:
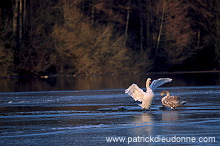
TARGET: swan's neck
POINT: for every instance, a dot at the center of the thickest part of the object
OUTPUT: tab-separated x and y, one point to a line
168	94
148	86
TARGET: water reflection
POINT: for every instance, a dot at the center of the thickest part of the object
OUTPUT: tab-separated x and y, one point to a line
145	122
170	120
104	82
170	116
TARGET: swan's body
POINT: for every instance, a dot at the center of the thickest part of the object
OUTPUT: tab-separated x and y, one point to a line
171	101
146	97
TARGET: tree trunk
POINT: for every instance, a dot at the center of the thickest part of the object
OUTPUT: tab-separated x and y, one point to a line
15	17
127	22
160	30
217	30
198	38
149	18
93	13
141	25
20	26
24	18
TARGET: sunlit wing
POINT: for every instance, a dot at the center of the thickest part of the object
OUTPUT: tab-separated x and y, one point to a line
159	82
135	92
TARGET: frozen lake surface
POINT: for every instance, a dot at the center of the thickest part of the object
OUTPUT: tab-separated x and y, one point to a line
89	117
96	112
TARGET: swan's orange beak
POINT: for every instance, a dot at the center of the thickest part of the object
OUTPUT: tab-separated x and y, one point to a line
150	82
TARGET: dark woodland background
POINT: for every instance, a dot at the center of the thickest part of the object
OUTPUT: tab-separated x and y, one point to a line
40	37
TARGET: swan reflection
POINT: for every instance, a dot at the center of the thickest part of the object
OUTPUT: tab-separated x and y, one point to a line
168	116
144	123
170	120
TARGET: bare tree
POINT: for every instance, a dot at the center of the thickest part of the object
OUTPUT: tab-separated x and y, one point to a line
160	29
127	21
15	16
217	29
175	35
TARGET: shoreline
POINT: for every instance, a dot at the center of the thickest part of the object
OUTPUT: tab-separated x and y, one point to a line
83	75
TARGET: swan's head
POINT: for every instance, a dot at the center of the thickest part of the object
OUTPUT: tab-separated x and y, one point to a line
148	83
148	80
164	93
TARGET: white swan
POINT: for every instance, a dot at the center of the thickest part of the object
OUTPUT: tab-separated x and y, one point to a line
171	101
146	97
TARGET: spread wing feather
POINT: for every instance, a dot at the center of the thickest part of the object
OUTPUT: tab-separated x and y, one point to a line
159	82
135	92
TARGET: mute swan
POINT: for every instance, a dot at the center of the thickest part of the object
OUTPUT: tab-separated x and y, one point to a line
146	97
171	101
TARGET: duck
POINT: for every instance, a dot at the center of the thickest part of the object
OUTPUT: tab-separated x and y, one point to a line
146	98
171	101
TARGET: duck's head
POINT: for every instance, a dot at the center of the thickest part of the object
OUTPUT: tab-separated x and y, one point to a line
164	93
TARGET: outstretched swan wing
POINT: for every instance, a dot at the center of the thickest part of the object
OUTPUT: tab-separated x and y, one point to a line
135	92
159	82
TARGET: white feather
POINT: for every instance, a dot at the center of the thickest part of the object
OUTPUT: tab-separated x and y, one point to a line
146	97
159	82
135	92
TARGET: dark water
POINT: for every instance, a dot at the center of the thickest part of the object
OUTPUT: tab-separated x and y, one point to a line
104	82
87	111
